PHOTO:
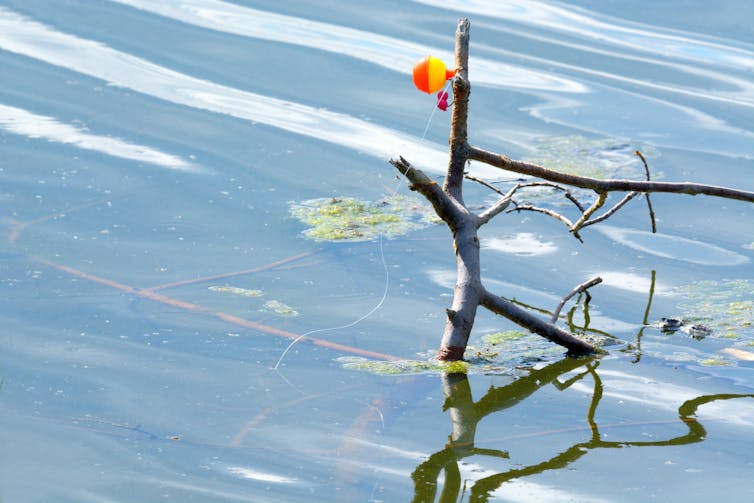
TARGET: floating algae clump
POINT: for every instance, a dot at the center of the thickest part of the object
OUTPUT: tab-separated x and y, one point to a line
243	292
501	337
501	353
727	305
403	367
278	307
350	219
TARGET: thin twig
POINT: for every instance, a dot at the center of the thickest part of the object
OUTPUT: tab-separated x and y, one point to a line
601	198
579	288
551	213
485	183
649	203
502	204
612	210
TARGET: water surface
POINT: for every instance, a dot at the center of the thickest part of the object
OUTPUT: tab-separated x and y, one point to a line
152	274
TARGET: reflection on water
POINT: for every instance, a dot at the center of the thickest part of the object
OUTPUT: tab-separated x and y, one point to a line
392	53
465	414
673	247
25	123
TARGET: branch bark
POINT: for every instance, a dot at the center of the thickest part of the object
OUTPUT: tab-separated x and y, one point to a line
536	324
584	182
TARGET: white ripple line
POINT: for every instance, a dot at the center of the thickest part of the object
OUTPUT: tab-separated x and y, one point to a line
23	122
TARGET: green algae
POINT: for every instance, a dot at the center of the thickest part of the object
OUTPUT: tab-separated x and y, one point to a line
403	367
501	353
278	307
274	306
351	219
501	337
234	290
715	362
727	306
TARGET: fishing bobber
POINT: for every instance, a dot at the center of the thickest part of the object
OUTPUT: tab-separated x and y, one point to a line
430	74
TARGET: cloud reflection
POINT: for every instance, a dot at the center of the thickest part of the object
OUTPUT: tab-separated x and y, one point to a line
673	247
22	35
395	54
585	24
23	122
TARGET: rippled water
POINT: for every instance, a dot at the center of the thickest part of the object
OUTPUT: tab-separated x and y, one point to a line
152	273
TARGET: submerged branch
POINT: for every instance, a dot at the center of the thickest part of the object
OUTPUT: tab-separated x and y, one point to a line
535	324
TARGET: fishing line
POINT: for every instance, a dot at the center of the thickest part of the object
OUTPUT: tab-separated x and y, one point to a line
382	258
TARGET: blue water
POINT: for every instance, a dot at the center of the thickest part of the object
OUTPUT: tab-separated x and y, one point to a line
150	154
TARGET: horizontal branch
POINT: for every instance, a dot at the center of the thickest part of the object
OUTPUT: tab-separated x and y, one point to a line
525	168
535	324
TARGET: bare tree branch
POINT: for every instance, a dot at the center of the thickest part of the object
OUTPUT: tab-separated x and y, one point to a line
579	288
494	210
525	168
502	204
458	120
469	292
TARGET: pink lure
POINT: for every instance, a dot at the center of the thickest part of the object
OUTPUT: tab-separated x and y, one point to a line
442	100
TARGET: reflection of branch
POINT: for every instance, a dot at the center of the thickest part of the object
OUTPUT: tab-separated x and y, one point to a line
482	489
466	414
649	202
645	320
